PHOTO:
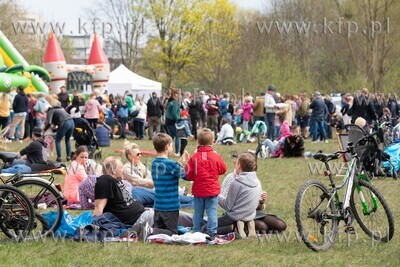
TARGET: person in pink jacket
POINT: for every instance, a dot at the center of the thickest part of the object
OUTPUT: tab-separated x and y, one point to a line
247	108
93	109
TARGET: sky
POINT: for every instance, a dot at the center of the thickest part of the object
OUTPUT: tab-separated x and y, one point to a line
69	11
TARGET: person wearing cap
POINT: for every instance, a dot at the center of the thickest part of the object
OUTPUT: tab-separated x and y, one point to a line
183	131
269	104
318	115
35	152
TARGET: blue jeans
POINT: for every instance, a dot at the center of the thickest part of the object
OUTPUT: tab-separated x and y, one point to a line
66	131
270	121
123	122
317	125
270	144
146	197
171	131
209	204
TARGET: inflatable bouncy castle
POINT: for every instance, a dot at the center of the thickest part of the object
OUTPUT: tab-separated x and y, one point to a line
88	77
15	71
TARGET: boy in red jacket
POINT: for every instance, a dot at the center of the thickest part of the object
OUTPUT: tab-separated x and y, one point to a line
203	168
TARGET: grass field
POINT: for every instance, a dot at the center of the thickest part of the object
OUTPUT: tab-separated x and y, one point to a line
280	177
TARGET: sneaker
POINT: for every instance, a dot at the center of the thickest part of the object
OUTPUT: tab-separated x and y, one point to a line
132	232
59	160
316	141
268	153
7	141
326	141
263	152
177	155
68	159
145	232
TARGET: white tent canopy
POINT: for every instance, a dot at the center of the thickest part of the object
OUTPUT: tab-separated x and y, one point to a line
122	79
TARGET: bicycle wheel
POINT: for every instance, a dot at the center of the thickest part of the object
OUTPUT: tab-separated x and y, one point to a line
46	201
372	212
315	216
16	213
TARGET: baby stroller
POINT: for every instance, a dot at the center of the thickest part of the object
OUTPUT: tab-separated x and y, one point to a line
84	136
371	156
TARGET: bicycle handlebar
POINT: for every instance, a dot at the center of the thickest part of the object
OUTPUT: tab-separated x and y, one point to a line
350	149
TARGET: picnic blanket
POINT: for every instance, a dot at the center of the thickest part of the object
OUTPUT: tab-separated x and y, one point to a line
191	239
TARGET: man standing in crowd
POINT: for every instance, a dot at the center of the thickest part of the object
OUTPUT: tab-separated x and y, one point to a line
225	108
154	112
20	107
195	110
318	115
269	104
212	113
63	97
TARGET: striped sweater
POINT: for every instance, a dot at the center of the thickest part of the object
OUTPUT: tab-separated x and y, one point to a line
166	174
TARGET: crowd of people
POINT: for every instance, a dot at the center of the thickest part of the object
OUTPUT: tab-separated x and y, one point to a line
180	115
128	190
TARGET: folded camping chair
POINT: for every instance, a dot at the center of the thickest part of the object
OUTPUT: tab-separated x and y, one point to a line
3	133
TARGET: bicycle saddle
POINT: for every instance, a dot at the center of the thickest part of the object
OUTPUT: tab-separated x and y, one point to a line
325	157
8	156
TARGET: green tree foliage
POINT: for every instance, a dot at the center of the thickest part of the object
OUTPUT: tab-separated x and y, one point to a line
217	43
177	24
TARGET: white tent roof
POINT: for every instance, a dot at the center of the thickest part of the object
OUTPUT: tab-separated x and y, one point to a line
122	79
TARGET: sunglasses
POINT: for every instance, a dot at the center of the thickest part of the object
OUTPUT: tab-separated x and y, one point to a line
139	154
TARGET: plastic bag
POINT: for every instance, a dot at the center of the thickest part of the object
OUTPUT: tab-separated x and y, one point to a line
69	224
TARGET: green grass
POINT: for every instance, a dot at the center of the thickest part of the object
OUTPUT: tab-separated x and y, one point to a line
280	177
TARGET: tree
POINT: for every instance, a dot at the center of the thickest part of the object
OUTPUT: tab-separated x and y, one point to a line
124	24
177	25
217	43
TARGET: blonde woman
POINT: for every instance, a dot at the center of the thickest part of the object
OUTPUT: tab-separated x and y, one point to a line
4	110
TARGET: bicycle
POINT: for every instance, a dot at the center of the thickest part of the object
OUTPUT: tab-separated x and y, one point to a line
319	210
45	197
16	213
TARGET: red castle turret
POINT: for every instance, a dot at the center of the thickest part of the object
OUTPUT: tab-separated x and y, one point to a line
98	58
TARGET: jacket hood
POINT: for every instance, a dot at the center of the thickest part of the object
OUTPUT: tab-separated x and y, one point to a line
248	179
41	141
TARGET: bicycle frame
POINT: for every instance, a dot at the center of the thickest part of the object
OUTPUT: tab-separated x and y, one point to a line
350	178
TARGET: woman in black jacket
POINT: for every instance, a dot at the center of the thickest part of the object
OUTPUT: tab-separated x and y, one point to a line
60	120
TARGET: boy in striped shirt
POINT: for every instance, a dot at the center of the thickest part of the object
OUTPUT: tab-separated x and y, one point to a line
166	174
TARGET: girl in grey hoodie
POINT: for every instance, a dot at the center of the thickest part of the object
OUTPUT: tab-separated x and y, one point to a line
242	198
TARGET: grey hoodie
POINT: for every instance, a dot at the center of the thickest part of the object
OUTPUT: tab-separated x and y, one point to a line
243	197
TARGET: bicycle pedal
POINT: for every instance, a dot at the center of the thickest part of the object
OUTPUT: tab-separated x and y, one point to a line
350	230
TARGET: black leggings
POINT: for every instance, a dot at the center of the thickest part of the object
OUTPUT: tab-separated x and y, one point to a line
183	145
3	122
269	223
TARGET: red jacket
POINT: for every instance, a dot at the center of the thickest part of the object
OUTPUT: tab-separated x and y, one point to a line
203	168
